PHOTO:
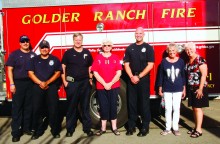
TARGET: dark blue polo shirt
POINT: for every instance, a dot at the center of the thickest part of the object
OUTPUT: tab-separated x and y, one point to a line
18	60
77	63
44	69
138	56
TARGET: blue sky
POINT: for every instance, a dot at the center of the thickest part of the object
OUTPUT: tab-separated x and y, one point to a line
0	4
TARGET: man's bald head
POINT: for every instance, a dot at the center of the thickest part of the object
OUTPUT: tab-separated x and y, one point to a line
139	35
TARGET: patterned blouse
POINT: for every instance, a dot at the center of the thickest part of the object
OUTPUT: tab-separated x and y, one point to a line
193	72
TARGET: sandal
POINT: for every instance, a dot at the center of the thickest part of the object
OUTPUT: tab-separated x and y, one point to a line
116	132
100	132
196	134
165	132
176	133
191	131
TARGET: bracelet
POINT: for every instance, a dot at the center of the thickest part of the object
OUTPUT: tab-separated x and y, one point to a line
90	78
12	84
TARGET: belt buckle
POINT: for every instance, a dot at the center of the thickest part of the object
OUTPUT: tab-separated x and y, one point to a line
70	79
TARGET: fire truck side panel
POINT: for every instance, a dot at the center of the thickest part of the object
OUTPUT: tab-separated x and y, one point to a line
164	22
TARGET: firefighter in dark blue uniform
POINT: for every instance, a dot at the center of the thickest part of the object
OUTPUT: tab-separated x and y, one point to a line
77	81
44	70
139	60
21	88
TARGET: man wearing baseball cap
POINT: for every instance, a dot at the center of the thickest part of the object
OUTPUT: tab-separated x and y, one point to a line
21	89
44	44
44	70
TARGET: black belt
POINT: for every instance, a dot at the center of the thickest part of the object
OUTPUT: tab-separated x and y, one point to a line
72	79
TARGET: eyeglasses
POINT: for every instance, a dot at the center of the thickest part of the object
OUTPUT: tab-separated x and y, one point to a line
24	41
107	45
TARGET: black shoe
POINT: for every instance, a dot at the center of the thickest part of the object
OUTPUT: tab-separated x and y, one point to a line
143	132
28	132
56	136
69	134
15	139
89	133
34	137
130	131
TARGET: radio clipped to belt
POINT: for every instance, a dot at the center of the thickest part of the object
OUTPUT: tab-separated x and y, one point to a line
69	79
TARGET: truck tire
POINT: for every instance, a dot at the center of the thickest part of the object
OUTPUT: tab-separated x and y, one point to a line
121	108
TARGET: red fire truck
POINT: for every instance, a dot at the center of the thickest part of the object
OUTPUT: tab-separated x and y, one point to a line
163	21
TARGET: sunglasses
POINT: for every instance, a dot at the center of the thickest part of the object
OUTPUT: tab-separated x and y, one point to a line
24	41
107	45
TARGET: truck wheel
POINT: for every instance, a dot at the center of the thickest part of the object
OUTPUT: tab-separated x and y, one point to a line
121	108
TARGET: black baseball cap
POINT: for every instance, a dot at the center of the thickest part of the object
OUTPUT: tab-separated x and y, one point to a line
44	44
24	38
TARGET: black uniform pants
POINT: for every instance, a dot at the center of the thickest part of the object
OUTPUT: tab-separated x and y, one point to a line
78	93
139	102
21	107
45	100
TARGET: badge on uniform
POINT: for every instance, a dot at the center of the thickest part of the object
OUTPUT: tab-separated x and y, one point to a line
32	55
51	62
143	49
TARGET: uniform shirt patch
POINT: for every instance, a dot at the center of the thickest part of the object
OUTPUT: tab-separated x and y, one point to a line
143	49
51	62
32	55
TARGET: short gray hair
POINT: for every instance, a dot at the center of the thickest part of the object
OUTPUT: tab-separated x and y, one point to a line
190	45
172	44
106	42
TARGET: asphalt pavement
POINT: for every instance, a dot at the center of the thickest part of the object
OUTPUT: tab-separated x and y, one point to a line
211	131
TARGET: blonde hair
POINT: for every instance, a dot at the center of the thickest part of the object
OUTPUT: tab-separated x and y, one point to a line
77	34
190	45
172	44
